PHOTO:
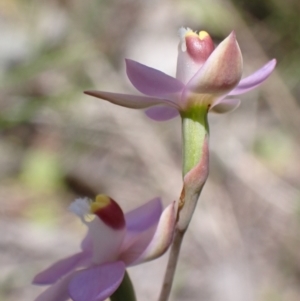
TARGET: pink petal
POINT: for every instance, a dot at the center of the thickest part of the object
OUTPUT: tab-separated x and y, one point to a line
57	292
225	105
141	225
255	79
144	216
135	244
130	101
162	238
162	113
97	283
150	81
60	268
221	72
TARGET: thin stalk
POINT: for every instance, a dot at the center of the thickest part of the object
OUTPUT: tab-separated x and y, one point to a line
171	267
195	172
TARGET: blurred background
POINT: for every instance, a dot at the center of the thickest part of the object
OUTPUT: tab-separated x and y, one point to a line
58	144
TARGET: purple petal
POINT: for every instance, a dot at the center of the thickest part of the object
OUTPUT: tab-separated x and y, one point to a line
255	79
150	81
60	268
162	238
162	113
130	101
97	283
225	105
141	224
144	216
135	244
57	292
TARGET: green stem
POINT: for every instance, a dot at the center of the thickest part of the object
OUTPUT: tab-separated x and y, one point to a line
125	292
194	131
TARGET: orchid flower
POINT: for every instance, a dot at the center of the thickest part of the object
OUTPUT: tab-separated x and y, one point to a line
206	76
113	241
207	79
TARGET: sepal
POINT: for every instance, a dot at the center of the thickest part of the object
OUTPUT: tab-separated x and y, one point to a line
163	236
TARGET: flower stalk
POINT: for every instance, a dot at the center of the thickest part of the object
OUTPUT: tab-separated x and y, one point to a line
171	267
195	133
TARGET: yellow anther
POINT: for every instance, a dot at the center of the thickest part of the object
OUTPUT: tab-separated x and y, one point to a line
101	201
203	34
